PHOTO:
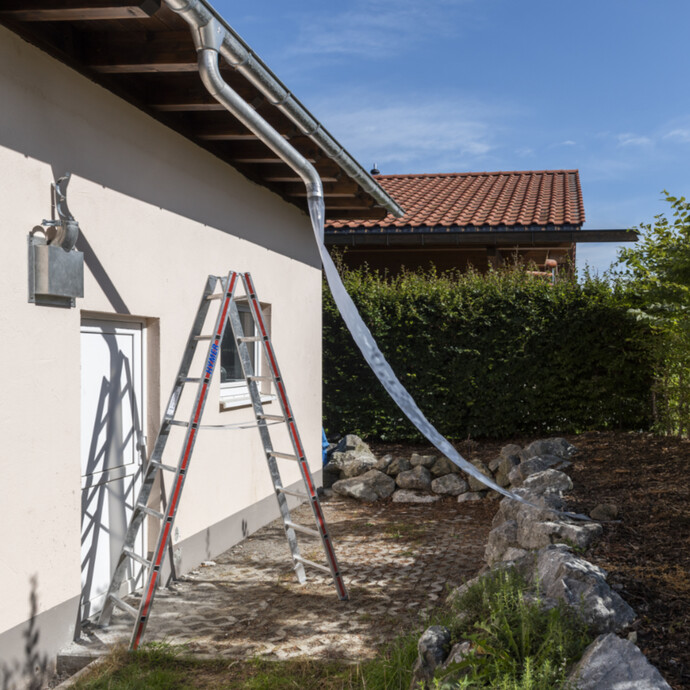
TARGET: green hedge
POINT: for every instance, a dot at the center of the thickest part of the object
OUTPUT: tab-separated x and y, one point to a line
488	356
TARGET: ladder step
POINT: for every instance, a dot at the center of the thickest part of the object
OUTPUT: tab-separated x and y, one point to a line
284	456
297	494
203	337
177	422
272	417
260	378
136	557
124	606
218	295
151	511
302	528
190	379
250	339
318	566
169	468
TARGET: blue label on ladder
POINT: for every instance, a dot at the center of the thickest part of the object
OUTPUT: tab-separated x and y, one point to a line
212	359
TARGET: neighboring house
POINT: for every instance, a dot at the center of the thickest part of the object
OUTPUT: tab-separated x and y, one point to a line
481	219
167	188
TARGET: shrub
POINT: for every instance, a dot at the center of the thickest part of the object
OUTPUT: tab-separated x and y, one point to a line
489	355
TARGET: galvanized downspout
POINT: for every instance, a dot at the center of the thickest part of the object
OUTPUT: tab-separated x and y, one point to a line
212	35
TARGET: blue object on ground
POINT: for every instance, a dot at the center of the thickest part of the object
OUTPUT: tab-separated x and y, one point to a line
324	446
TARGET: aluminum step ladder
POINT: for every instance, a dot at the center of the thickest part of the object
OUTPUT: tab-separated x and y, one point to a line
228	313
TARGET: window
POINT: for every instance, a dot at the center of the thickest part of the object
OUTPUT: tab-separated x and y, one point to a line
233	387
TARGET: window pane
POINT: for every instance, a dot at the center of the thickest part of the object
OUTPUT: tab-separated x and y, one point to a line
230	367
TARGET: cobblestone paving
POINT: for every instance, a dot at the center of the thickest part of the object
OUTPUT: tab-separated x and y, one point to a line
398	561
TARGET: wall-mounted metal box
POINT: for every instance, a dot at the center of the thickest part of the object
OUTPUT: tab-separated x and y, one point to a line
56	277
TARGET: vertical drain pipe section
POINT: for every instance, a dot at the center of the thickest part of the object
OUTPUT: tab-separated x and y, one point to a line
210	38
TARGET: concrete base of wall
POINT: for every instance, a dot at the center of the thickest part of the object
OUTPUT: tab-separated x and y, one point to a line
55	627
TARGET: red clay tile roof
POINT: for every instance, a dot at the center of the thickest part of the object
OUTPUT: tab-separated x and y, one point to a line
488	199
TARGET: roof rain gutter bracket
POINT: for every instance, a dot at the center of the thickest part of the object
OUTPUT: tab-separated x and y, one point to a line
213	38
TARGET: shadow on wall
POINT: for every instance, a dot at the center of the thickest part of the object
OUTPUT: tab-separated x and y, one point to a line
32	670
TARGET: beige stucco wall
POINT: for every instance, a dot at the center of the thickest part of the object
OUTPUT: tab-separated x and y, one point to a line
158	214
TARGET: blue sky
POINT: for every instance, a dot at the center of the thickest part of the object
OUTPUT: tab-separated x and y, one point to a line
420	86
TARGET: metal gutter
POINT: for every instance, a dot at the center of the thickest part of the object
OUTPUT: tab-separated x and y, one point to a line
224	40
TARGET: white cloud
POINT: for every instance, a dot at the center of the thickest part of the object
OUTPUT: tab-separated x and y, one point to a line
628	139
377	28
420	135
681	134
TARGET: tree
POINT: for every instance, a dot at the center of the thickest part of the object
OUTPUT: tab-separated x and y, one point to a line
657	271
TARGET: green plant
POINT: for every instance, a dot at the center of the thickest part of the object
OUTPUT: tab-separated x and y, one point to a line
517	643
489	355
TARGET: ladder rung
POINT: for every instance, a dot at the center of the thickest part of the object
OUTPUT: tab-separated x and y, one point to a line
319	566
177	422
302	528
288	492
272	417
250	339
260	378
203	337
284	456
190	379
218	295
124	606
136	557
169	468
151	511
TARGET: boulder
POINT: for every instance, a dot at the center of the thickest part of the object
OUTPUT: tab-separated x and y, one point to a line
548	480
539	463
509	508
501	538
330	475
494	464
562	575
352	442
511	452
475	484
459	652
383	463
424	460
417	478
449	485
611	662
406	496
444	466
604	511
352	463
470	496
549	446
397	466
432	651
368	487
536	535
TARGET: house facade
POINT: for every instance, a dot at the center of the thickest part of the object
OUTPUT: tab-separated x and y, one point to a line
159	208
483	219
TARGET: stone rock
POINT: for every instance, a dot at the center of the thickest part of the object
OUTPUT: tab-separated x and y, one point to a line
470	496
417	478
406	496
494	464
352	442
536	535
611	662
352	463
449	485
368	487
511	451
459	652
330	475
383	463
531	466
501	538
444	466
549	446
397	466
562	575
432	650
475	484
513	554
604	511
509	509
424	460
548	480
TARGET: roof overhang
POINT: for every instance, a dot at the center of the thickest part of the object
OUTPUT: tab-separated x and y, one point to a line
449	237
144	52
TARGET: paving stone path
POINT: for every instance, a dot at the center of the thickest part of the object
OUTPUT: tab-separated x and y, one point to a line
398	561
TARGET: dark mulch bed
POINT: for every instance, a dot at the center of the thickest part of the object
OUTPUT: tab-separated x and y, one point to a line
647	552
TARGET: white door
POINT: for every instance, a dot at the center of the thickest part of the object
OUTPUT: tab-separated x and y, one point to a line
112	385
